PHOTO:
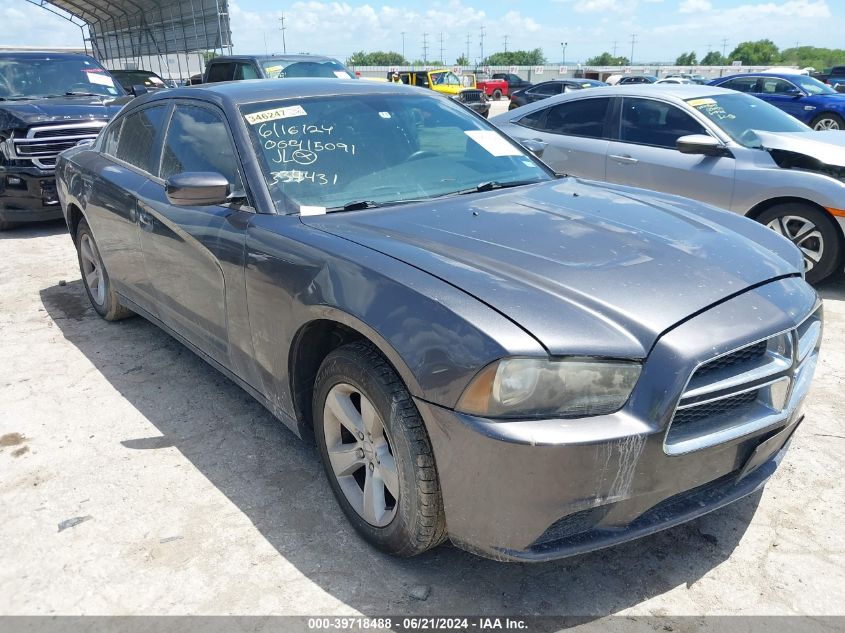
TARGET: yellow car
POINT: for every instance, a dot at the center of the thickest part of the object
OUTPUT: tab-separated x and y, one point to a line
461	88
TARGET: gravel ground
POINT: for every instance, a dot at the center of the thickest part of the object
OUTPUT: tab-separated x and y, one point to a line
136	479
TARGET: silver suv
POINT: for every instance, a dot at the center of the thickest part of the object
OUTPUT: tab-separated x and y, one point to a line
715	145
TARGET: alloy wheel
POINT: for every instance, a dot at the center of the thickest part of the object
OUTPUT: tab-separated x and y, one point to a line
804	234
361	454
826	124
92	269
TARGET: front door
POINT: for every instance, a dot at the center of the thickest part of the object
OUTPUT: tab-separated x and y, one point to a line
195	255
645	155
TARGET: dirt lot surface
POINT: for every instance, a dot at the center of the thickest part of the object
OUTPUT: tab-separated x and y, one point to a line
136	479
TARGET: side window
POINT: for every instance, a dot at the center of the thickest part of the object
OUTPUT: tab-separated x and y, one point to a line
198	140
581	117
110	137
534	119
773	86
245	70
221	71
136	144
741	84
648	122
546	90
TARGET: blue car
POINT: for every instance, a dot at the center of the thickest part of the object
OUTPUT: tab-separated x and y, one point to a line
807	99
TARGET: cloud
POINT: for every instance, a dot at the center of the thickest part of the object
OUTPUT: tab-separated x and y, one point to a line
19	20
694	6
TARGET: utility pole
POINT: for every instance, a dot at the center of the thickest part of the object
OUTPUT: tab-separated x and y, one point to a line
563	46
467	48
724	47
403	45
283	28
441	48
506	43
615	42
425	48
633	41
482	44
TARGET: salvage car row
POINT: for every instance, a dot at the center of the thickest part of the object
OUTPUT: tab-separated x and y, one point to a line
483	349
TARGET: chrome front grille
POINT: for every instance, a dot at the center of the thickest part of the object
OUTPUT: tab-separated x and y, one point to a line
746	389
44	143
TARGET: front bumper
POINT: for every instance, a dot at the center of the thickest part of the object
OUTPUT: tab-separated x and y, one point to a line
28	195
540	490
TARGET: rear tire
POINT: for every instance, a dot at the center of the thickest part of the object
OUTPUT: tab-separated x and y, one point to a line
369	433
811	230
95	278
497	94
828	121
5	225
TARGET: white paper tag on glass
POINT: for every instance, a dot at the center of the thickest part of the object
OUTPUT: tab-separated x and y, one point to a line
342	74
275	113
100	78
493	143
306	210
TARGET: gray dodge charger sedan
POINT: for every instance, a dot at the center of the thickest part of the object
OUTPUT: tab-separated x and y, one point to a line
531	366
711	144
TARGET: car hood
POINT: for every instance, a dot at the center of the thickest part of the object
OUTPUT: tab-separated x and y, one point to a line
826	146
586	269
22	114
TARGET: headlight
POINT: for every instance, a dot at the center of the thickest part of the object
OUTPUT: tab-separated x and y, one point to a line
531	388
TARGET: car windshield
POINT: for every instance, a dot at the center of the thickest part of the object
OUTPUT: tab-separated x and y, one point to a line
286	69
331	152
739	115
34	77
812	85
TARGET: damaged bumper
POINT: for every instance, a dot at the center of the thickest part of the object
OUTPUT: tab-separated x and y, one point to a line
545	489
28	195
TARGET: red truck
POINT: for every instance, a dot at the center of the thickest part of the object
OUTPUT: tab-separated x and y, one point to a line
493	88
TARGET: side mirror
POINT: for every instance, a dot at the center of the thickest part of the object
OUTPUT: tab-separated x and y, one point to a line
794	92
701	144
534	146
197	189
139	90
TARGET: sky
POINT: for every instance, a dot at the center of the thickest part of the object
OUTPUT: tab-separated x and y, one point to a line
664	28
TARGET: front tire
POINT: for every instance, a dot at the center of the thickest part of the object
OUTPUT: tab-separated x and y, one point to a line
828	121
497	94
811	230
95	278
376	452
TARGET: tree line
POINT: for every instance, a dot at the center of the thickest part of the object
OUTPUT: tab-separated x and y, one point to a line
757	53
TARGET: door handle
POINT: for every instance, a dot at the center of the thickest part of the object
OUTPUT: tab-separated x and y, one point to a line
624	159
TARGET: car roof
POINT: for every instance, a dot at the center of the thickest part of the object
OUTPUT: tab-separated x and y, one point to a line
252	90
775	75
270	58
43	55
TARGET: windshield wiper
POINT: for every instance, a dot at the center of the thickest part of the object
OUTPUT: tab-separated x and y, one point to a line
489	185
355	205
75	93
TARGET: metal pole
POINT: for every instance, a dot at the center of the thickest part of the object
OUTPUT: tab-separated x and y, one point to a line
633	41
482	44
283	28
403	47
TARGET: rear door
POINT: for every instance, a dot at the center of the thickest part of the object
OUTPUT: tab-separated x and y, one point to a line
130	146
195	255
644	154
575	132
782	93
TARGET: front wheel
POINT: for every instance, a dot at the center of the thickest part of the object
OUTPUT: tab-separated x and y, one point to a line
828	121
95	278
376	452
811	230
497	94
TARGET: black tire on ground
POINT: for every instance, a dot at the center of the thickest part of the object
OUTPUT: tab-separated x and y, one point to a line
110	307
787	219
5	225
497	94
828	121
418	523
